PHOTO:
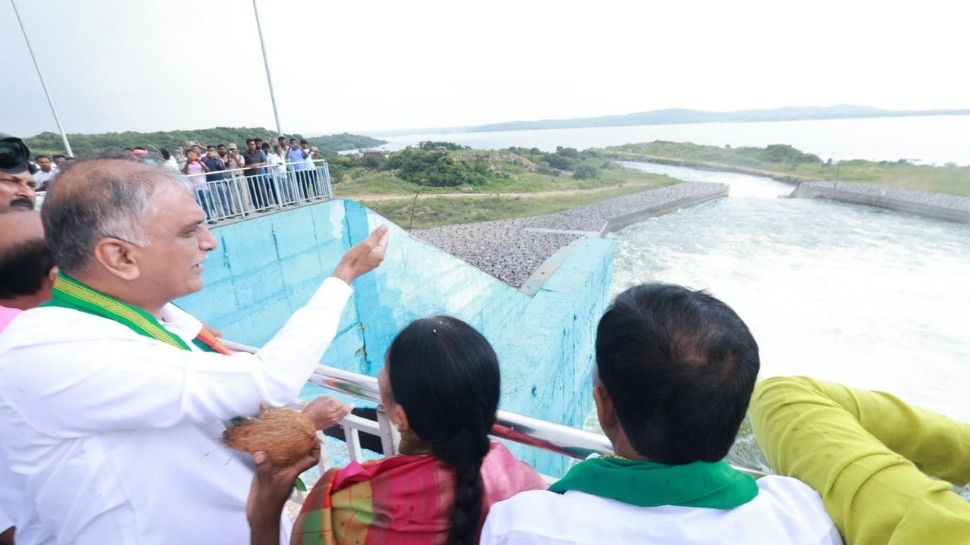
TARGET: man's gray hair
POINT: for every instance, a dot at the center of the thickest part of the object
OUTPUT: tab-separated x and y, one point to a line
97	198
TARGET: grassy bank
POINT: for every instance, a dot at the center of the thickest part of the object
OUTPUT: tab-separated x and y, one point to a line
501	184
434	211
789	164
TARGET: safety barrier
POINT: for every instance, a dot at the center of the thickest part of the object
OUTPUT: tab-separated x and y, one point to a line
564	440
227	194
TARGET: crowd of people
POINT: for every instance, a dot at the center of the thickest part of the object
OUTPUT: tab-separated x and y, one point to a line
112	402
269	173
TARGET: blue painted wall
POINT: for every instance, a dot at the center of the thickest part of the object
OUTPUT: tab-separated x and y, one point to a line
266	268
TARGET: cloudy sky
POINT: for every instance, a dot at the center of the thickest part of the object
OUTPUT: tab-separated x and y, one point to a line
337	65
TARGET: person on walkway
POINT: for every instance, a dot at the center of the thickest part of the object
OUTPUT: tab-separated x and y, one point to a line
277	169
440	388
258	186
112	399
673	377
871	456
46	173
195	170
296	156
236	165
218	185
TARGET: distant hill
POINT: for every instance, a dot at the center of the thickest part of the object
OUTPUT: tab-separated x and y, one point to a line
86	144
684	116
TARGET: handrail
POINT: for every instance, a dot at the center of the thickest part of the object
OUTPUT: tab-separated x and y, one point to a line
564	440
515	427
317	163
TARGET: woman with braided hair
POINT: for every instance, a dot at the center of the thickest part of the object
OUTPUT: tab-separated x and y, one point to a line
440	388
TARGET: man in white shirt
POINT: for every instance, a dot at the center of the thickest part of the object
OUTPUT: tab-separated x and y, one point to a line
675	371
46	173
112	400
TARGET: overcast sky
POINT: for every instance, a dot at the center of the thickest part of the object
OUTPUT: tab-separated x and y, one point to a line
342	66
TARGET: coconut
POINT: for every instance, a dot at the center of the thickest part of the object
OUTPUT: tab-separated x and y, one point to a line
284	435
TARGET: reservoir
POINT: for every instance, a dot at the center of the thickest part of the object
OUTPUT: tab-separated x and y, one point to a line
929	139
863	296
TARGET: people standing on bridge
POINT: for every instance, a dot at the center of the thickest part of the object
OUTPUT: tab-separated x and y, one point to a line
112	399
673	377
871	455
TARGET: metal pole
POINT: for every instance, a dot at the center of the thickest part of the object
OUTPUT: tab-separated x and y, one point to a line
67	145
269	79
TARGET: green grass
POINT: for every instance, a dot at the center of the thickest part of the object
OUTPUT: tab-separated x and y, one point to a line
438	211
788	163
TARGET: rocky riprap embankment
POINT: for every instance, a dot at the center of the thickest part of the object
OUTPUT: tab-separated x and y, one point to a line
511	250
922	203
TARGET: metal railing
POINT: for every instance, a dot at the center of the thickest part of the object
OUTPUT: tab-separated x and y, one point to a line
231	193
533	432
514	427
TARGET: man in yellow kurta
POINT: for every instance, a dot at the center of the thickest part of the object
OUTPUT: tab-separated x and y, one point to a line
869	455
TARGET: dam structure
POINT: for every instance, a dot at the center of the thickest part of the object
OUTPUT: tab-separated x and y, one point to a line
265	268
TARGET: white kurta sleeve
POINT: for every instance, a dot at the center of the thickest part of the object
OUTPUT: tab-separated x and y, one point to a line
119	380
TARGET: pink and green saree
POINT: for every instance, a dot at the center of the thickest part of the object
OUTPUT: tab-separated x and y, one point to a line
402	499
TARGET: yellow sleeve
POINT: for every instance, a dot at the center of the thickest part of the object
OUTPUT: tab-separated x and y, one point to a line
864	451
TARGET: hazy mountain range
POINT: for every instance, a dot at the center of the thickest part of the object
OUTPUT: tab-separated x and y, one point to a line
682	116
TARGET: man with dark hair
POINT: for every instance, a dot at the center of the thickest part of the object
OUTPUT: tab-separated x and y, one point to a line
258	190
25	262
216	180
16	183
59	160
112	399
45	173
674	373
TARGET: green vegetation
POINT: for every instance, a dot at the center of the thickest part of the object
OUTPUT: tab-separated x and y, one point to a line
431	211
86	144
455	184
789	164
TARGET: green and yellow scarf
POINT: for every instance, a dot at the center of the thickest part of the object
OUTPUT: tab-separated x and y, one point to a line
715	485
69	293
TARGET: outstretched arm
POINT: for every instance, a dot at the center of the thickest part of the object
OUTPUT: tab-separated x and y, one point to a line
865	452
364	257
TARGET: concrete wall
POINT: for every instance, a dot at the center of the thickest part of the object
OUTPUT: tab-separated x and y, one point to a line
921	203
266	268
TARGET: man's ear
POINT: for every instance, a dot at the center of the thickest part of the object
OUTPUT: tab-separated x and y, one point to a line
118	257
605	411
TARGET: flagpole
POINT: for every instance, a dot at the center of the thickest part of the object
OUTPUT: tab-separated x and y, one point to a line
269	79
67	145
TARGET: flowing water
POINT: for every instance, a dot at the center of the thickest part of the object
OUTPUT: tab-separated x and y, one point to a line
858	295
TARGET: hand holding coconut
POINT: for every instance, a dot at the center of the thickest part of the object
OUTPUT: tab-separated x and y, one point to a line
271	487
